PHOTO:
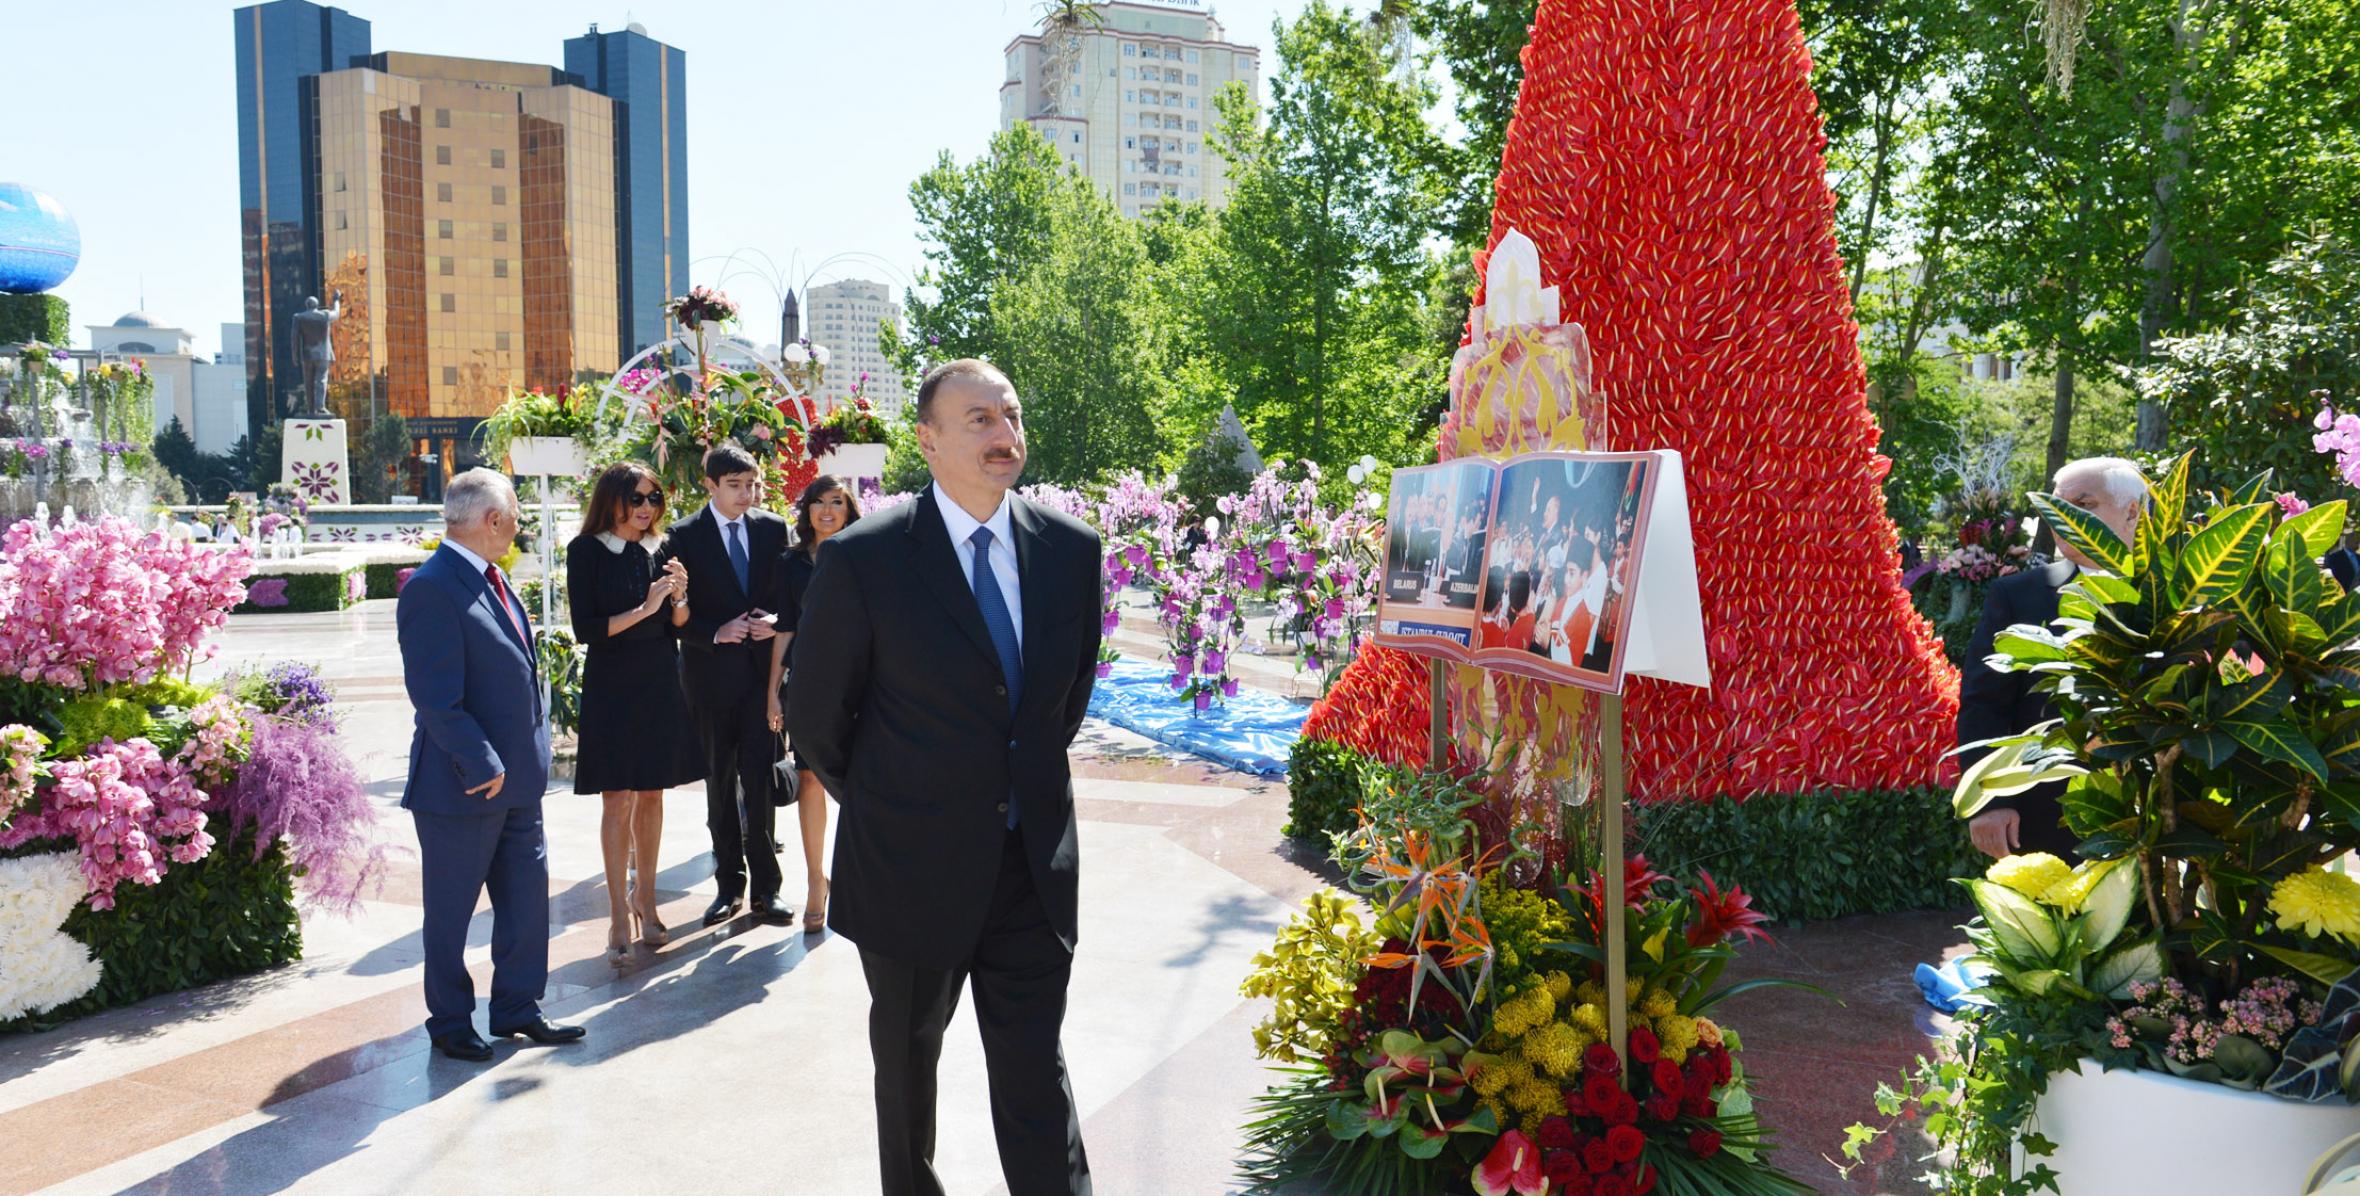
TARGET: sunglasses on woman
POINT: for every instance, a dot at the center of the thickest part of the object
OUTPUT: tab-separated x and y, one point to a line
644	498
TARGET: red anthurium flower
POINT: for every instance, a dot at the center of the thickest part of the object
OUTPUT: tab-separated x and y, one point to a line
1513	1166
1722	914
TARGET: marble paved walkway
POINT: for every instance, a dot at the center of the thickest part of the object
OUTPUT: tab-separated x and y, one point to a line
735	1059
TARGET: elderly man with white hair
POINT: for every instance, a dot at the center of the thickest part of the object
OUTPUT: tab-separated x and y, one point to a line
479	761
1992	704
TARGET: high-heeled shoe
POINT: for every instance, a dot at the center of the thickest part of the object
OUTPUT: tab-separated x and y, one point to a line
815	910
618	943
651	928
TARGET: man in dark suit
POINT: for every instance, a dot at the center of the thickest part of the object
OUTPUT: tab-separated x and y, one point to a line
479	760
942	667
1993	704
732	552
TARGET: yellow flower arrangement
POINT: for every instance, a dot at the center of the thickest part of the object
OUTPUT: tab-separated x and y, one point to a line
2032	874
1309	974
2318	902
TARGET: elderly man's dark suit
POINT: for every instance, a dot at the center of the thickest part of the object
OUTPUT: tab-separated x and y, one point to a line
1992	704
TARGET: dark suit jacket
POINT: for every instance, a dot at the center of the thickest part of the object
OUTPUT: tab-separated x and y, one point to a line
720	673
896	700
476	691
1992	704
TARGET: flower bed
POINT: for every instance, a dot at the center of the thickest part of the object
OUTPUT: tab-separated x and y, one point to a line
326	582
385	571
159	826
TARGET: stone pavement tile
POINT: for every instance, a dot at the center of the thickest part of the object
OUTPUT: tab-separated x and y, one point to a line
123	1112
1808	1103
1168	1121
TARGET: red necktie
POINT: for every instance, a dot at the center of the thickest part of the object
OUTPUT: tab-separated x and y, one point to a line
492	574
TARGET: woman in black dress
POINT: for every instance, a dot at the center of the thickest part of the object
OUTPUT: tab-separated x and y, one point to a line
635	739
827	506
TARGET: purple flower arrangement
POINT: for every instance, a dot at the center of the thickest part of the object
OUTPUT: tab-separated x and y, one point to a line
297	784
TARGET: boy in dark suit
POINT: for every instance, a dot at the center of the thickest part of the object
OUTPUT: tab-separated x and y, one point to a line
731	550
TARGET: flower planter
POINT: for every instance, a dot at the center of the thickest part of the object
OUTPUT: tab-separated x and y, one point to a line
858	463
545	456
2142	1132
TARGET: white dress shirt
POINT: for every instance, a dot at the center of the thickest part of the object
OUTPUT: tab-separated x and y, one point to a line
474	562
962	525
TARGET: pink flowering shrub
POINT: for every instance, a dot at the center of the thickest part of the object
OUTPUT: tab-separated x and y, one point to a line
102	602
127	808
20	767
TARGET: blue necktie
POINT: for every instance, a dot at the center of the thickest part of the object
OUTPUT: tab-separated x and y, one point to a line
737	560
1002	627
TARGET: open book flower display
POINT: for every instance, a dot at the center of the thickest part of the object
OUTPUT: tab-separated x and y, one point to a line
2208	689
1462	1037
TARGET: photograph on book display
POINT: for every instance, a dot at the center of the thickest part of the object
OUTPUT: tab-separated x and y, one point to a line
1558	553
1434	536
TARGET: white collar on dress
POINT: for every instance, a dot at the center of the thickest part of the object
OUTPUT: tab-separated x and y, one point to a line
652	542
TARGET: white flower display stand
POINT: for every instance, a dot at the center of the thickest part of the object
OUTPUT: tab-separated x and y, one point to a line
2138	1133
545	456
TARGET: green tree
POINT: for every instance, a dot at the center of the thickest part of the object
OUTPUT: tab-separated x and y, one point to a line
381	451
1479	43
2249	391
980	225
1318	283
1079	328
177	453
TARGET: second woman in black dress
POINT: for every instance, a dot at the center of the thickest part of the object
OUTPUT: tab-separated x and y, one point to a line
636	739
826	507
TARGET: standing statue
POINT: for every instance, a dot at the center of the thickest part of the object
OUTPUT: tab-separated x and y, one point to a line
316	349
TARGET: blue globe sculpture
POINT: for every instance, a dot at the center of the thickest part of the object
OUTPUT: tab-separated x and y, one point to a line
39	242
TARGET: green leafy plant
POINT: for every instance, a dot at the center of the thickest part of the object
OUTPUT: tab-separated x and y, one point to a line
561	663
1818	855
2209	741
570	413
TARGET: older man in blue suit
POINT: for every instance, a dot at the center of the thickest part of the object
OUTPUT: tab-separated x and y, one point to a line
478	763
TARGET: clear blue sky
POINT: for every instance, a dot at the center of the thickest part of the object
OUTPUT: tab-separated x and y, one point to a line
807	121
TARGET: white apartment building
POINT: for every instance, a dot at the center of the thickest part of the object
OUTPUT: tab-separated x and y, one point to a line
1128	100
845	317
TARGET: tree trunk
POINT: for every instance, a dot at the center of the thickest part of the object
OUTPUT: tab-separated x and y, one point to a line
2158	262
1877	176
2061	413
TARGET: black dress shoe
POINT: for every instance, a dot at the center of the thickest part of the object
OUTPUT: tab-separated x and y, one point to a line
541	1030
466	1046
772	910
722	910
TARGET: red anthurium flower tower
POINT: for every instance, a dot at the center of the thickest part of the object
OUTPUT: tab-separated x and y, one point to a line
1665	157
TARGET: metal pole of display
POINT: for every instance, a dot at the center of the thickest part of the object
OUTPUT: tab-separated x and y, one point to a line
1438	728
1610	888
548	589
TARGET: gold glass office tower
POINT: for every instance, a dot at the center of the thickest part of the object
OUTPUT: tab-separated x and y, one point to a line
466	209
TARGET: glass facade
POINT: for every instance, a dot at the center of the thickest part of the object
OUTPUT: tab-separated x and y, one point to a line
648	81
279	46
442	159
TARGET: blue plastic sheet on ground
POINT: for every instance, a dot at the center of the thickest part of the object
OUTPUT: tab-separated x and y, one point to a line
1252	732
1952	986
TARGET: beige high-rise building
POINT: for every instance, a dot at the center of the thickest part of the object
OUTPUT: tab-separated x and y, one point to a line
845	317
466	210
1128	99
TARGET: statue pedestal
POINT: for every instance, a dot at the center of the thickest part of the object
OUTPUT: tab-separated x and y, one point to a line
315	459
